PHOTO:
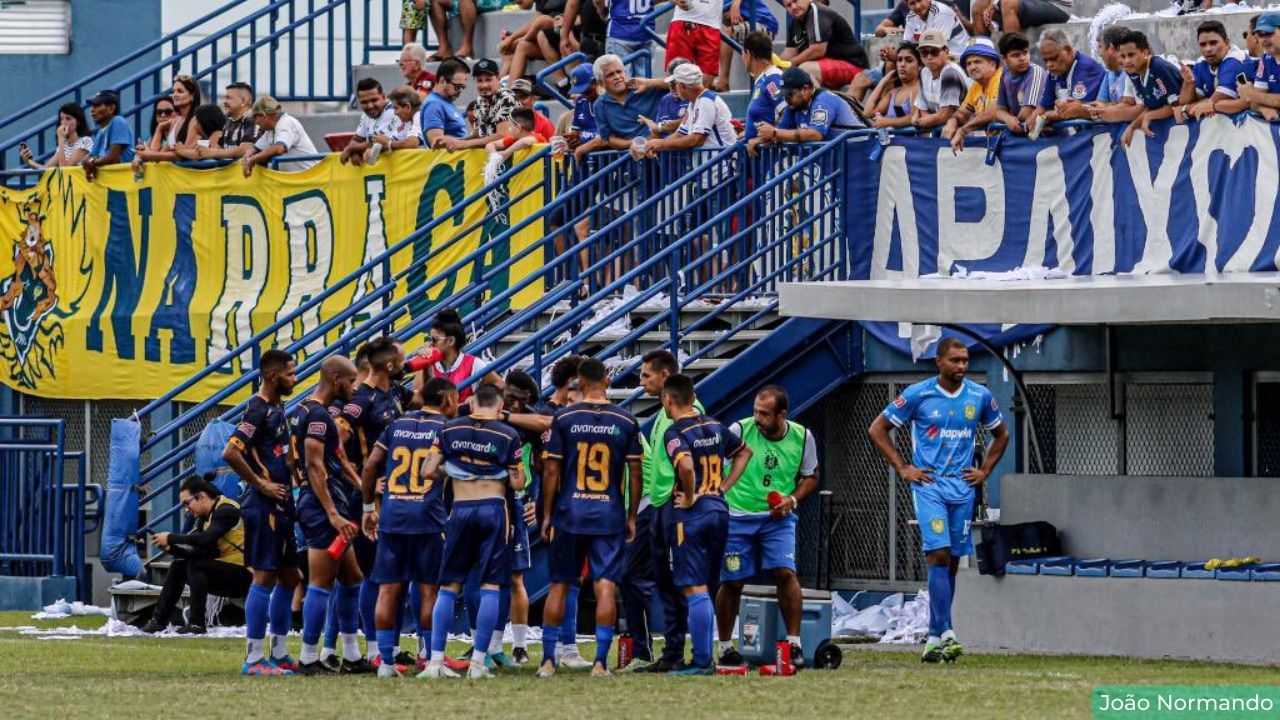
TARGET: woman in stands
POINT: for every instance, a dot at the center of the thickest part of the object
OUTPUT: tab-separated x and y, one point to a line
75	140
175	128
896	93
449	337
207	131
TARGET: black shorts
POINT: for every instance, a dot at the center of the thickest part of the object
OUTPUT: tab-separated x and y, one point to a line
1034	13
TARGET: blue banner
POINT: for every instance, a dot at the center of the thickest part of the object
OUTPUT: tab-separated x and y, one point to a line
1195	198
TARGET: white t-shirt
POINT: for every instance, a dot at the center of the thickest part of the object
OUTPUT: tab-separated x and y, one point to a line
947	90
381	125
701	12
401	130
290	135
85	143
940	17
709	115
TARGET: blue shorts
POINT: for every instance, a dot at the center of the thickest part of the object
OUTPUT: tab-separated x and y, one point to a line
697	538
317	531
269	543
944	524
476	539
758	542
603	554
521	556
408	558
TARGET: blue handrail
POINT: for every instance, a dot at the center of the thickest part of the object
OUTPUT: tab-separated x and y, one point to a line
634	61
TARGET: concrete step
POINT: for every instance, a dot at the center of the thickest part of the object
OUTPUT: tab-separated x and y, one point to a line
1169	35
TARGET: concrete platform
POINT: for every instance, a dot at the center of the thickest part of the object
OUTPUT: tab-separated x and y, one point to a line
33	593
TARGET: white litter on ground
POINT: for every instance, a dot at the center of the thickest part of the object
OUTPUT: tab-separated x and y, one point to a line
894	620
63	609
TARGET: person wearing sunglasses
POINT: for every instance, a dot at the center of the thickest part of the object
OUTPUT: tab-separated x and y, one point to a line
449	337
942	83
209	559
439	117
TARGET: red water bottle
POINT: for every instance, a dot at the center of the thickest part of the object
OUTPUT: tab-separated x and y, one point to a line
783	665
422	362
337	547
775	499
626	649
733	669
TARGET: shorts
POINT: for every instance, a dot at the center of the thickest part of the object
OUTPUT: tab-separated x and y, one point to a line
520	554
623	48
697	538
482	6
317	532
411	18
269	543
758	542
837	73
695	42
408	558
476	539
603	554
944	524
1033	13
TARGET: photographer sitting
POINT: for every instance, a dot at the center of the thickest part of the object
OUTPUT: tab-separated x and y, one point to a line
210	559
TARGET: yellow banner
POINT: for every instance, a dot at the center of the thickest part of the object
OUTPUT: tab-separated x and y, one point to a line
124	288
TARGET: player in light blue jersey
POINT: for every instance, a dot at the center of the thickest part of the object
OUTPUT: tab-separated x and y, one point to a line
945	414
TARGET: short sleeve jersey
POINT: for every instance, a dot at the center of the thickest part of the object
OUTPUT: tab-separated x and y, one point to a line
263	438
980	97
671	108
767	102
412	502
312	421
708	444
821	24
438	113
626	19
584	120
1116	86
402	130
1025	90
369	411
479	449
1221	79
1159	85
593	443
1266	74
827	113
940	17
290	135
238	132
1081	83
380	125
945	90
709	116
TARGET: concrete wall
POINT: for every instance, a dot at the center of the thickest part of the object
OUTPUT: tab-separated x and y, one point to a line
102	31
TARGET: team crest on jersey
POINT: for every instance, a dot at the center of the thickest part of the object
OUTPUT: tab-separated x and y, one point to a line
899	402
1079	91
937	525
819	117
672	445
771	461
732	563
970	412
353	410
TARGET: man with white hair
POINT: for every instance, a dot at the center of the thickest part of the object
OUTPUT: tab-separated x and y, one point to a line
413	65
1075	79
619	108
708	121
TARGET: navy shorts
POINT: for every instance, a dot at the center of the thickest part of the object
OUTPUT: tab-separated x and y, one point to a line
604	554
521	556
476	538
268	538
697	537
408	558
314	521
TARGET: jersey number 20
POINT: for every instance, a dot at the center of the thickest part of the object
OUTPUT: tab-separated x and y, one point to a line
593	467
408	462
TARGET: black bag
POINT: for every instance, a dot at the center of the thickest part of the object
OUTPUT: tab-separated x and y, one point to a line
1002	543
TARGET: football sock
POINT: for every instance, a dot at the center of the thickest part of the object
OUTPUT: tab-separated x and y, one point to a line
495	642
280	612
951	575
569	625
701	620
331	625
368	606
279	647
346	608
486	618
424	643
441	619
313	607
939	600
604	638
725	646
550	636
256	607
415	608
350	647
793	639
520	636
387	646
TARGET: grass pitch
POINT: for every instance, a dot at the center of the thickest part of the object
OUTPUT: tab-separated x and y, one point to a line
138	678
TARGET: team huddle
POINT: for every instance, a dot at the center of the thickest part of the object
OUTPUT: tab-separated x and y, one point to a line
408	500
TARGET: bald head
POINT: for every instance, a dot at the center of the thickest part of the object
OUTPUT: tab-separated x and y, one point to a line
337	379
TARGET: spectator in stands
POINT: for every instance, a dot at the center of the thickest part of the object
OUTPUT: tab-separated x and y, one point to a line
377	117
1116	101
935	15
207	128
1210	86
75	141
464	10
942	83
671	108
162	115
896	22
1264	94
1252	44
522	89
113	143
708	123
812	114
1156	81
1017	15
281	136
405	131
439	118
694	34
1023	86
618	110
895	96
524	136
413	17
413	65
821	43
173	131
1075	79
520	46
584	28
767	102
239	131
737	24
627	31
493	109
582	121
982	101
209	560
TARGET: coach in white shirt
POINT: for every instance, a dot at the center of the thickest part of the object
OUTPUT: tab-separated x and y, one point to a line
281	135
708	121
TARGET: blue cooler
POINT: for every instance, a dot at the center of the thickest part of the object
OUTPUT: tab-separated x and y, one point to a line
760	624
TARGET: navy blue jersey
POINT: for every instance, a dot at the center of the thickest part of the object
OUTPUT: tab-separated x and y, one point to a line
593	442
479	449
369	411
412	502
312	421
263	438
707	443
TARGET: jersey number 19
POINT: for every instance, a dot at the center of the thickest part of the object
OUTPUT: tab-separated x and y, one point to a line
593	467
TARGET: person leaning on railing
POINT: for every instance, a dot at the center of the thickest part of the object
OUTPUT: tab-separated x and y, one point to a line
209	559
812	114
113	143
1264	93
239	132
74	140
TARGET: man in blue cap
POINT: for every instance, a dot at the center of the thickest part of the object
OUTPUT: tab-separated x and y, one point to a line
1264	94
582	128
812	114
978	109
113	143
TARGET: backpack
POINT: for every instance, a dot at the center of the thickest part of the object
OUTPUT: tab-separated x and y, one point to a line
1002	543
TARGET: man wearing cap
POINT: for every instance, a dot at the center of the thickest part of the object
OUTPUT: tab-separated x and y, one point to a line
378	117
671	108
494	105
582	125
1156	81
708	121
113	143
981	61
925	15
522	89
1264	94
767	101
618	110
821	43
282	135
942	83
812	114
1074	78
439	117
413	65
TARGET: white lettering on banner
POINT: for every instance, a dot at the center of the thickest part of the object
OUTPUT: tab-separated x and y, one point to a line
1154	195
895	198
310	226
1049	173
1233	141
968	240
375	244
230	323
1102	216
